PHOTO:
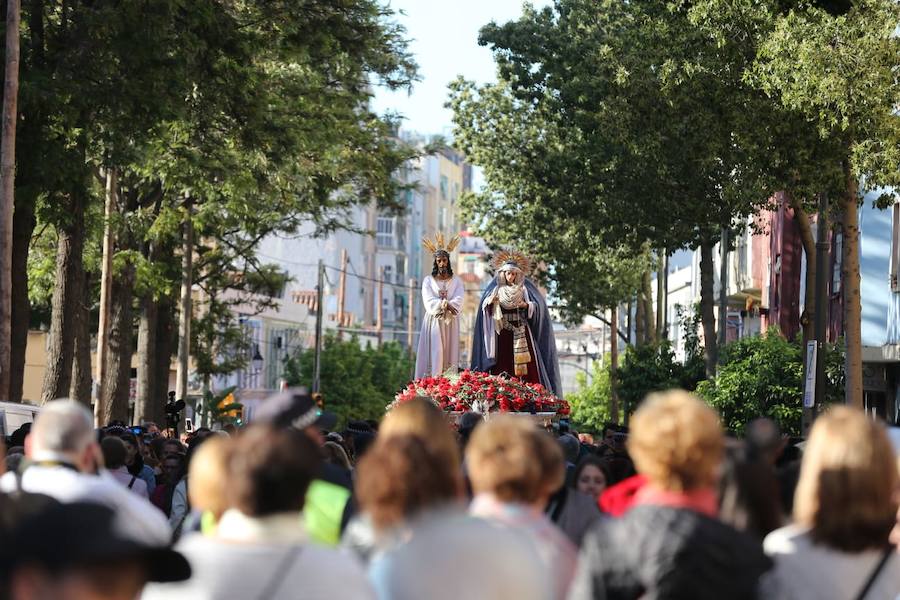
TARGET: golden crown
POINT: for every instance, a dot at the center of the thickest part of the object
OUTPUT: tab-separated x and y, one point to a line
439	244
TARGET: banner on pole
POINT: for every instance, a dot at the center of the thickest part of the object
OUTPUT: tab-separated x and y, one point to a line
809	390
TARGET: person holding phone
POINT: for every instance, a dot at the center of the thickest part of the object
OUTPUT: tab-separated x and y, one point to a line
134	459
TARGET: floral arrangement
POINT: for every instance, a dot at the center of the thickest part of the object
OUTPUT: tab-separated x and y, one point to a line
483	393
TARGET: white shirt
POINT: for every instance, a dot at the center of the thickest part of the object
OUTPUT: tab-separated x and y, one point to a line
268	557
134	515
137	486
806	570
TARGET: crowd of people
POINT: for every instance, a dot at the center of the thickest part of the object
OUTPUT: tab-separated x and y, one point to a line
423	505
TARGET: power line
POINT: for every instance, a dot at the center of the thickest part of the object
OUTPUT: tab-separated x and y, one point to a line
470	290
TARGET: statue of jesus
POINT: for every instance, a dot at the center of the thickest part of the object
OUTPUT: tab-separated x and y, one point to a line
442	293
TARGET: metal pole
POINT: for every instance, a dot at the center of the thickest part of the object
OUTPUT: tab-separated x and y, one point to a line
723	288
822	247
410	317
342	289
379	325
110	207
186	312
317	363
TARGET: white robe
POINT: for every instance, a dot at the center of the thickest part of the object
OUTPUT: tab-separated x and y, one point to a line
439	340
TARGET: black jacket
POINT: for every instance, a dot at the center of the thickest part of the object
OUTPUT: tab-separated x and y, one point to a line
656	552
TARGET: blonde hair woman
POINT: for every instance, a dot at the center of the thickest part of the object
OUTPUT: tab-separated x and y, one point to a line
844	509
409	486
515	468
670	544
420	417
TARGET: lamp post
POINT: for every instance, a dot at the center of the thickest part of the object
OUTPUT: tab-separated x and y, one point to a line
257	363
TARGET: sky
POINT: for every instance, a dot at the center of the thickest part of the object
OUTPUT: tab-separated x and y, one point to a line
444	41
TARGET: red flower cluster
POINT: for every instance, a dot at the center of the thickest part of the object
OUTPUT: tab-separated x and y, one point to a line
483	392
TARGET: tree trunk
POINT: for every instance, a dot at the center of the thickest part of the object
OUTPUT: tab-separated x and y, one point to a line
723	288
165	346
613	364
640	336
110	208
114	399
647	298
809	249
23	227
80	389
67	296
661	294
186	312
147	378
707	305
628	320
851	288
7	189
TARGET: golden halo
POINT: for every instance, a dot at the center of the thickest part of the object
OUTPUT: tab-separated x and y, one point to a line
515	257
439	244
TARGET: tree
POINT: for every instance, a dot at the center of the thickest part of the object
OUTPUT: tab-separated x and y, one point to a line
7	186
623	120
762	376
262	117
356	382
653	368
759	377
839	70
590	404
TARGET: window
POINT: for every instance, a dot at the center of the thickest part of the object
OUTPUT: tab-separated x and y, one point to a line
388	273
442	219
895	249
445	184
385	232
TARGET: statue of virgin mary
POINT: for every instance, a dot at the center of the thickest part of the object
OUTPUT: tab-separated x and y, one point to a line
513	330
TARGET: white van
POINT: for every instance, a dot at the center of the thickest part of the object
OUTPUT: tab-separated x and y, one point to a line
13	415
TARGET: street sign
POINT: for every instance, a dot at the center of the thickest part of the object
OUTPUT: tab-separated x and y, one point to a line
809	390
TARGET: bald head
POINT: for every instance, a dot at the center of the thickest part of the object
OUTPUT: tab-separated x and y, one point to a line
63	427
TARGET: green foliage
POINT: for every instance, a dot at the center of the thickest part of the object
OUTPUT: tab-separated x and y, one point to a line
590	404
219	408
356	382
652	368
758	376
694	366
763	376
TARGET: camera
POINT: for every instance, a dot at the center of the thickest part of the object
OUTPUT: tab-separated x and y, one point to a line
173	412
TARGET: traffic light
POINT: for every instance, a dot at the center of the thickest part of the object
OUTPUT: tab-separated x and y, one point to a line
319	400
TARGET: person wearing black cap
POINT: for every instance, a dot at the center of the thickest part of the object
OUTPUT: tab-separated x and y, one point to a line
77	552
329	502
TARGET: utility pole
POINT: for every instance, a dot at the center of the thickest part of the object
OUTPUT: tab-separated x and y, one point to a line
815	350
665	319
723	290
184	318
342	291
110	207
660	293
379	323
614	364
410	317
317	363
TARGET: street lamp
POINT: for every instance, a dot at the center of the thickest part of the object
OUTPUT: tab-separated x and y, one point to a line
257	359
